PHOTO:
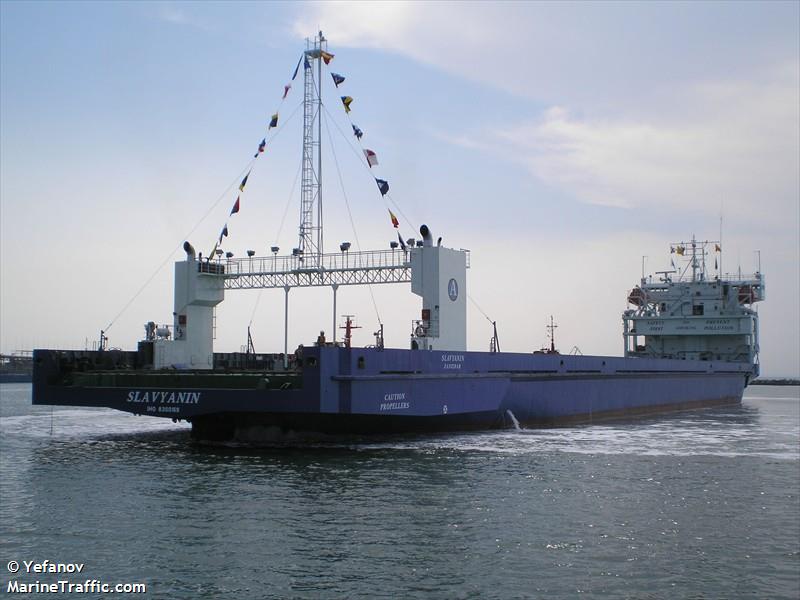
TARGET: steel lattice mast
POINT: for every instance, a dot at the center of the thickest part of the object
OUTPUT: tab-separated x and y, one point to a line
310	246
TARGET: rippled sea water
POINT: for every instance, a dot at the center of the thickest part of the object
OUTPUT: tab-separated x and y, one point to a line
694	505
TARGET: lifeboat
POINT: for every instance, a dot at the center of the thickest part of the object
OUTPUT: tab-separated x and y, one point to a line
637	297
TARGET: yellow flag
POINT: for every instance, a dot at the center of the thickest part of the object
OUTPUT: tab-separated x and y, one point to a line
347	100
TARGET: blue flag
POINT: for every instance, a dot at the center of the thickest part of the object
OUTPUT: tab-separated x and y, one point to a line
383	186
297	68
261	147
357	132
223	233
337	79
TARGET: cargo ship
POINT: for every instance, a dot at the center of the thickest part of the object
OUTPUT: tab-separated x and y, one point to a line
690	339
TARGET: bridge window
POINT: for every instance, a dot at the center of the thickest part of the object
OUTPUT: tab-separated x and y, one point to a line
697	309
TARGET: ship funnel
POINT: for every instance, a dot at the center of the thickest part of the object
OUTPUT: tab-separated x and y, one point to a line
427	238
189	249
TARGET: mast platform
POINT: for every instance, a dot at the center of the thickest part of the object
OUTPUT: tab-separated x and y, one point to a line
339	268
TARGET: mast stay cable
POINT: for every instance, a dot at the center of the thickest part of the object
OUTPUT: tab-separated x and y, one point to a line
349	213
471	299
216	202
277	237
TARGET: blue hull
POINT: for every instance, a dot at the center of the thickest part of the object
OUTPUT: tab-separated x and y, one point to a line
366	390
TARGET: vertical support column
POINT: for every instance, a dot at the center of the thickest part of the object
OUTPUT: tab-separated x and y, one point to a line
626	342
335	287
286	328
319	151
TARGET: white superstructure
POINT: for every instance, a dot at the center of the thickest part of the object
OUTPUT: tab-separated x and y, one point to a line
685	313
439	275
198	289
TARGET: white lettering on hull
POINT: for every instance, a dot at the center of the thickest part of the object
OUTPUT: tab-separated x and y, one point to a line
394	405
452	361
163	397
394	401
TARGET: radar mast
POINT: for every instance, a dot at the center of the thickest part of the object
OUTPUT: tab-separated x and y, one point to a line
310	246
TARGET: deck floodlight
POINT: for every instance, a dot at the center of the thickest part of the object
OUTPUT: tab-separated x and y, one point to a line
274	249
420	243
219	252
251	253
393	245
344	246
229	255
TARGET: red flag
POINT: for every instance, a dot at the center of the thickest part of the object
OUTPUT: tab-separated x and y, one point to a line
395	222
372	158
286	89
235	208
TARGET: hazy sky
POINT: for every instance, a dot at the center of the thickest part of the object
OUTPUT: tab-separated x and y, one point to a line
559	142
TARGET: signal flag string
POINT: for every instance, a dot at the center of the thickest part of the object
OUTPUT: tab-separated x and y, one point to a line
174	250
262	146
368	157
361	159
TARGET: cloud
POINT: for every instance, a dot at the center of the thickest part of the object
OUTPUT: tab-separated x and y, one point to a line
173	13
565	53
464	140
422	31
670	125
466	39
732	142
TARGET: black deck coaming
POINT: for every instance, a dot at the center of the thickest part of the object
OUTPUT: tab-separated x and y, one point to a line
105	379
